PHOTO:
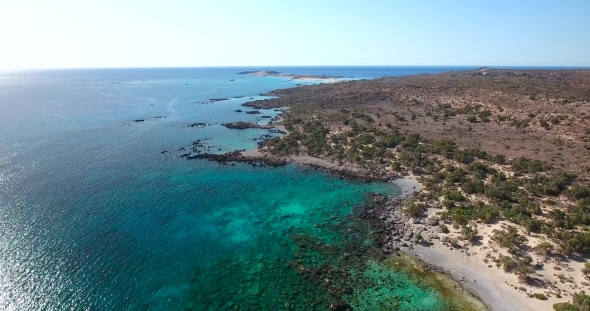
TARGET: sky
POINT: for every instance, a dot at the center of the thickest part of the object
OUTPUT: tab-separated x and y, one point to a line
183	33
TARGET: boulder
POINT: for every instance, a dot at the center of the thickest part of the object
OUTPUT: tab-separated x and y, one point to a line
339	305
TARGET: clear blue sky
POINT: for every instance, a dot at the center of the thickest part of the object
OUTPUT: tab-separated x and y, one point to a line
120	33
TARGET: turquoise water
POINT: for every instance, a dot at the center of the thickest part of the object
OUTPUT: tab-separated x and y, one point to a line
93	216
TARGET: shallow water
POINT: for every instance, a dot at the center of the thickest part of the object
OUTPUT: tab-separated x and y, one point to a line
93	216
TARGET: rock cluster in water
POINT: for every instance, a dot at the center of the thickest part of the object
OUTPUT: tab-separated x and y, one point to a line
237	156
240	125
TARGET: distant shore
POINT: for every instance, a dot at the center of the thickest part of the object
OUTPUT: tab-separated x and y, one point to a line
277	74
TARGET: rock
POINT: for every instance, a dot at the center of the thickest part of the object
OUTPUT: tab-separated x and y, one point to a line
522	289
432	222
339	305
198	124
217	99
584	283
243	125
556	268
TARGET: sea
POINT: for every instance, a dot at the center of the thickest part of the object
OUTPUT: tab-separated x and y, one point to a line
100	211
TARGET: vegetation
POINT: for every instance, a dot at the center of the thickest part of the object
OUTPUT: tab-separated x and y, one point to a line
462	183
540	296
565	306
480	160
586	269
580	302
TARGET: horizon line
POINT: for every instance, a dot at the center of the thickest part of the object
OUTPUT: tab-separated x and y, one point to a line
299	66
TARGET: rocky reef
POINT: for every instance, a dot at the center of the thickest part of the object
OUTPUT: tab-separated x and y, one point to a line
237	156
240	125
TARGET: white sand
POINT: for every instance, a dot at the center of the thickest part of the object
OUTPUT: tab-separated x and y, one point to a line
408	185
487	284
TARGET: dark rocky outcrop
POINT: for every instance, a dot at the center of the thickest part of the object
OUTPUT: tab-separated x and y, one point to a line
199	124
339	305
244	125
237	156
217	99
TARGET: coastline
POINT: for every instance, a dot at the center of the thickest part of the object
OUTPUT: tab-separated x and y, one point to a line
435	259
472	276
474	264
476	278
497	290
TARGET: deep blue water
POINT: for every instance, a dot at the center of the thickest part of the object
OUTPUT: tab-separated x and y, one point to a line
93	216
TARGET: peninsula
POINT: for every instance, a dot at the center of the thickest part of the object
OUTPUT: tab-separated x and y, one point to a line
501	157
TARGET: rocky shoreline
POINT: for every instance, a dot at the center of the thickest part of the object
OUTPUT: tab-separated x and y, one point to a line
237	156
355	175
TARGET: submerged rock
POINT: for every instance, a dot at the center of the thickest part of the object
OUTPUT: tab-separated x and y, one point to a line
244	125
339	305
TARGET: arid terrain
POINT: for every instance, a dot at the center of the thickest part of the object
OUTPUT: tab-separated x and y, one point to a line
502	155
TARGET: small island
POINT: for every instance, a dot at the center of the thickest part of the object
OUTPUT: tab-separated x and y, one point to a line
277	74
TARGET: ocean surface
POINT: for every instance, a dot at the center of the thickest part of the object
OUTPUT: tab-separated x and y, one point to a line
100	212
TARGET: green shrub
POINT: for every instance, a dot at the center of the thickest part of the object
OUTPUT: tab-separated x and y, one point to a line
581	300
540	296
474	186
565	306
455	196
523	165
443	228
579	192
508	238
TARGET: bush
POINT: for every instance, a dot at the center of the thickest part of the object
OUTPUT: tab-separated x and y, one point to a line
507	262
523	165
487	213
565	306
474	186
580	214
581	300
468	233
508	238
579	192
540	296
586	269
455	196
543	248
